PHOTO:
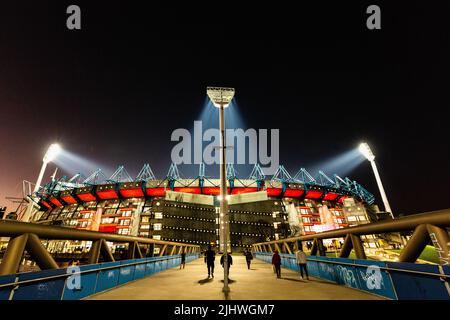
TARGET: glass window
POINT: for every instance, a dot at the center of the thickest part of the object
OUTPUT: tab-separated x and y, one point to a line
158	215
157	226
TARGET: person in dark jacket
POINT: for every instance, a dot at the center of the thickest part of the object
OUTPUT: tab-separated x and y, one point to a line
183	259
248	258
210	256
229	260
276	261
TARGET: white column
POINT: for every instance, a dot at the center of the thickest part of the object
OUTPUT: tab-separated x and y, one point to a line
387	207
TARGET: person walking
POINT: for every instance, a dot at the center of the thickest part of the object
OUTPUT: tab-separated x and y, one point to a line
276	261
300	256
210	257
229	260
248	257
183	259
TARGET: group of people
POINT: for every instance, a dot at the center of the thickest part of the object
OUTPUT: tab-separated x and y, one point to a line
210	257
300	257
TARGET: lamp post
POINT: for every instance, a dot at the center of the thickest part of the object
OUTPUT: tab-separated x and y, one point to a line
221	98
49	156
367	152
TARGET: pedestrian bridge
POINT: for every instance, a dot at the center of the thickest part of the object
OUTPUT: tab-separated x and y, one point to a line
258	283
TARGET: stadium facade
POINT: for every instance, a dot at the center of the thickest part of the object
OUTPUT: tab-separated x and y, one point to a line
187	210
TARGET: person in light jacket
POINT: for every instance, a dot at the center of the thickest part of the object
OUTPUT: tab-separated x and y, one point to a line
300	256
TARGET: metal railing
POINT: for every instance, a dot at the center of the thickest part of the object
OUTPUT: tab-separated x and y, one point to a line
427	226
27	237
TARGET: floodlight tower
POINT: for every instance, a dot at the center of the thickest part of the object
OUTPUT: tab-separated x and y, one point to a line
221	98
367	152
49	156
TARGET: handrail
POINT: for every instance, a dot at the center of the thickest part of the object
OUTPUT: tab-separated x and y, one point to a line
86	271
440	275
439	218
10	228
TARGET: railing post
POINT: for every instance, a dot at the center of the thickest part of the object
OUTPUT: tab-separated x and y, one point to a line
163	250
441	240
13	255
415	245
94	253
39	254
346	247
358	247
106	253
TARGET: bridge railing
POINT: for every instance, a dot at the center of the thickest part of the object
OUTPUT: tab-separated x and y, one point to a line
392	280
427	226
78	282
27	237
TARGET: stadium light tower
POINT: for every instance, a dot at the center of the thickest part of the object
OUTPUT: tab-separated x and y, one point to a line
221	98
367	152
50	155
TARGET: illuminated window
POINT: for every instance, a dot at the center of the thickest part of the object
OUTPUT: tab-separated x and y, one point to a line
158	215
156	237
157	226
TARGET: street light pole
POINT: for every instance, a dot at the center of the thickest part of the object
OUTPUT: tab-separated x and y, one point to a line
367	152
387	207
50	155
223	198
221	98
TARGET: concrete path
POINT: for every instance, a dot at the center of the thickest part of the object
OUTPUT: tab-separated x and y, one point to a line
258	283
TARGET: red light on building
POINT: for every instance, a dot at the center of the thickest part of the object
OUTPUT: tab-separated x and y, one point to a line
195	190
239	190
313	194
156	192
56	202
212	191
132	193
107	194
294	193
108	228
274	192
69	199
330	196
46	204
86	197
341	199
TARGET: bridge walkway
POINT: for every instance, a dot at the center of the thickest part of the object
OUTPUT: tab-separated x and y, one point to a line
258	283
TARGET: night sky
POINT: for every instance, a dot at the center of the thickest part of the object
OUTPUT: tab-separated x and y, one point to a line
114	91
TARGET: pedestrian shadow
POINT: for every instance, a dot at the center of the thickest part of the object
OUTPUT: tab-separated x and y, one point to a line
206	280
292	279
229	281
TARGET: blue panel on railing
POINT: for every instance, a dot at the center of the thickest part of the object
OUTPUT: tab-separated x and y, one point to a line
417	286
374	279
88	281
108	278
6	291
49	290
139	271
126	273
157	267
149	268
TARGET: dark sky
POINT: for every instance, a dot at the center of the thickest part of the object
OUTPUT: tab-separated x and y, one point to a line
114	91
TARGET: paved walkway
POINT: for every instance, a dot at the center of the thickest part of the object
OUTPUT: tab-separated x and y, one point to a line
258	283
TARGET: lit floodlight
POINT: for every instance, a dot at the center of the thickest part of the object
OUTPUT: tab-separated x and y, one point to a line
220	97
52	152
366	151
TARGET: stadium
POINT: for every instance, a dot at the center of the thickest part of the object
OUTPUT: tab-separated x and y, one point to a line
187	210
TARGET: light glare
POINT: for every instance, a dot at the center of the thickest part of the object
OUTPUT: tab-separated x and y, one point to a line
366	151
52	152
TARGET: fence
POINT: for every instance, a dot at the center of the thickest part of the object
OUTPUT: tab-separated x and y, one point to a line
393	280
80	282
